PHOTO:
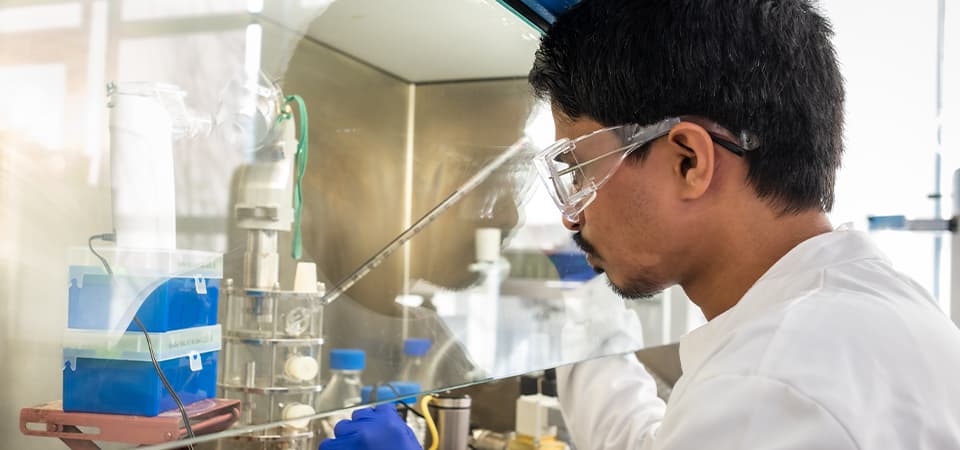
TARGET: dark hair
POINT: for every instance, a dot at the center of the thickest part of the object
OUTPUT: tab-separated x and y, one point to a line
764	66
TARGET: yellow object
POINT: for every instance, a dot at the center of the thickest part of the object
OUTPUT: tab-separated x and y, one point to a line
424	408
524	442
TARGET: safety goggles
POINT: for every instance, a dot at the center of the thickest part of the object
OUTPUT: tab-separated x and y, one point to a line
573	170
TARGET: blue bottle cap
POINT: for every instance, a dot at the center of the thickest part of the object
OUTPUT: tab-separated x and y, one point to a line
367	390
384	392
416	347
407	388
347	359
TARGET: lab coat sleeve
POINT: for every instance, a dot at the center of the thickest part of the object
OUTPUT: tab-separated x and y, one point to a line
609	403
748	411
720	412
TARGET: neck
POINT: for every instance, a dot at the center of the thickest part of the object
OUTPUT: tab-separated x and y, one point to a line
743	252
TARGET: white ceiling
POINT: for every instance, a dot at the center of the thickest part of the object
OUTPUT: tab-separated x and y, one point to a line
430	40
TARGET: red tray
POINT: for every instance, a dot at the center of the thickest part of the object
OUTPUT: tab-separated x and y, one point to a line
78	430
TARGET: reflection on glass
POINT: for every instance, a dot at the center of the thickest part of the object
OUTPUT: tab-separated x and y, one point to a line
19	19
34	110
406	102
148	10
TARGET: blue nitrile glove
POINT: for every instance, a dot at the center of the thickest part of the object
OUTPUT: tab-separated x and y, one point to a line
372	429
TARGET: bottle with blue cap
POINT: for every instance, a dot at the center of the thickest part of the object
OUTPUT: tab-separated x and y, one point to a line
414	367
344	386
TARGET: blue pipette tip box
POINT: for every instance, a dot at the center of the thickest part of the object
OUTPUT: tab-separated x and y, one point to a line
103	375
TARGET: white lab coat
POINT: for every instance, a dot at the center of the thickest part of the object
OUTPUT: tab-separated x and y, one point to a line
830	349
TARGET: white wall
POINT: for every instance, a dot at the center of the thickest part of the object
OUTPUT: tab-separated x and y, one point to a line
888	54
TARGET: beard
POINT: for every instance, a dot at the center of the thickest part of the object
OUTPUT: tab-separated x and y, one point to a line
584	245
637	288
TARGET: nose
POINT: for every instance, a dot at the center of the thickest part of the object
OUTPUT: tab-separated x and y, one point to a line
571	225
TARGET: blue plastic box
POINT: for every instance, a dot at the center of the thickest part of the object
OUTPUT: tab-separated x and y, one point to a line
121	379
572	266
168	289
175	304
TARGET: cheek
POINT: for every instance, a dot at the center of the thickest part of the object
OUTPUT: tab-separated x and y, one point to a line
642	220
644	232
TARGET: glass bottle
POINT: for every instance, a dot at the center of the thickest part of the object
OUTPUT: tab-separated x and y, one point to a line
343	388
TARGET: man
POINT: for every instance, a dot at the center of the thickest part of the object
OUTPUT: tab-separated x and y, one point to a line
702	142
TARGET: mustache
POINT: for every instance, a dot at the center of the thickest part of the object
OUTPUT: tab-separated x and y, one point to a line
583	244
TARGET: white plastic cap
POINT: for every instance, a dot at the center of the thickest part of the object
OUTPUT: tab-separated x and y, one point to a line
303	368
306	277
532	416
295	410
488	244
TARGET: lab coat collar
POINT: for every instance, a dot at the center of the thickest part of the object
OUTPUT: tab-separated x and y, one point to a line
797	272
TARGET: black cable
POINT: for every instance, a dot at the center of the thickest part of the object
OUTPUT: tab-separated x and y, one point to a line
166	383
373	398
109	237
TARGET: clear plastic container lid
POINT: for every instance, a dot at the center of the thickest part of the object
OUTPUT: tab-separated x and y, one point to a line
149	262
132	345
184	121
137	272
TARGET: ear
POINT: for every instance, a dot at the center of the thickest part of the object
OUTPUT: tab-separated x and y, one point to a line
694	162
